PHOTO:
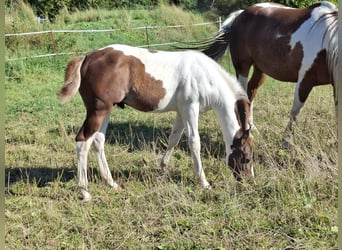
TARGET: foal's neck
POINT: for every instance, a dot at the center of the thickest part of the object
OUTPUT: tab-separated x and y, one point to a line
228	122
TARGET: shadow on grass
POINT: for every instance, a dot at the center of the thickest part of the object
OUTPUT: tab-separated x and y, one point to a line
134	135
44	176
137	135
39	175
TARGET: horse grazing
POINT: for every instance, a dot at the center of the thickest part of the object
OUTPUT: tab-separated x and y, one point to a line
288	44
187	82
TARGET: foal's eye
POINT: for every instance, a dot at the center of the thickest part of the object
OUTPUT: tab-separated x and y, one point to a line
245	161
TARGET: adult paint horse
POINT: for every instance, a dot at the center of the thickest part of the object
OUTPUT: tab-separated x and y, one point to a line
288	44
155	81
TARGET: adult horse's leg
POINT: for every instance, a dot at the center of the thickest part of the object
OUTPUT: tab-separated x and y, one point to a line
174	137
302	92
190	115
241	62
257	79
99	140
251	86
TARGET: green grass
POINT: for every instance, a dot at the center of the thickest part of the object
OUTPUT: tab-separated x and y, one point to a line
291	204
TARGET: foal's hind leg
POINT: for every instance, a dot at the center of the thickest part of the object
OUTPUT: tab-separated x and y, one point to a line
85	138
99	140
82	148
174	137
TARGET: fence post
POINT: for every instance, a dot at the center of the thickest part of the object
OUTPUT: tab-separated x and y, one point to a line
147	38
53	42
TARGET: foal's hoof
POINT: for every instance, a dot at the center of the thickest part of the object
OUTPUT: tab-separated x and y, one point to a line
287	144
163	164
116	186
207	186
86	197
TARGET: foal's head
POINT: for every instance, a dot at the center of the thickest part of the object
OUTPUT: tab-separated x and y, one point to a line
240	159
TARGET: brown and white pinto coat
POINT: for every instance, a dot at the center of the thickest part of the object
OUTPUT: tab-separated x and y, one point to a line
288	44
186	82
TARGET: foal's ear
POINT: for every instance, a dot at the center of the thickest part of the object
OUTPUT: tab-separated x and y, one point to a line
248	131
245	136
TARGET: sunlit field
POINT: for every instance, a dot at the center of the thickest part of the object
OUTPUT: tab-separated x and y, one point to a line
291	203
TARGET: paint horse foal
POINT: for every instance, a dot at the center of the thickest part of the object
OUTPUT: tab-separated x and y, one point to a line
186	82
288	44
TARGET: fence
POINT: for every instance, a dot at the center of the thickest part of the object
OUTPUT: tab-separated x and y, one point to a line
146	28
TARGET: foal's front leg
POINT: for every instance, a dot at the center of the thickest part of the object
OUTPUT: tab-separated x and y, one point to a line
190	118
174	138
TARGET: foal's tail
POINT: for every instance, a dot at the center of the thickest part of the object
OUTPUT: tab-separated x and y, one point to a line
217	47
72	80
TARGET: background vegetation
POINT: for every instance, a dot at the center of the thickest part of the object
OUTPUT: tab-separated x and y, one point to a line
51	8
291	204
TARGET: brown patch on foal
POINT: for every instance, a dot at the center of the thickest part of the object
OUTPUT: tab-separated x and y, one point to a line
240	160
145	91
116	78
241	138
108	77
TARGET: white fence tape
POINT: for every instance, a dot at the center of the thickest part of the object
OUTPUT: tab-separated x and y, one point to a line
107	30
103	30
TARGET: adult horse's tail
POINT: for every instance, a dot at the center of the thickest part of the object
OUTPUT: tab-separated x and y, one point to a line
217	47
72	80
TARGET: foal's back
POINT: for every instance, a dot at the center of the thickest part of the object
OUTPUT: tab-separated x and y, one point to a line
158	81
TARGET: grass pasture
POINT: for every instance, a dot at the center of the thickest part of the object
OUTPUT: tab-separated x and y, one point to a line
291	204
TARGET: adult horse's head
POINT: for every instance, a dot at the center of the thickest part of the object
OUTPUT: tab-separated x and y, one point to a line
240	160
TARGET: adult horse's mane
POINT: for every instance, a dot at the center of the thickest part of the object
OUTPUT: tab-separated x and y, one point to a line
215	46
332	28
